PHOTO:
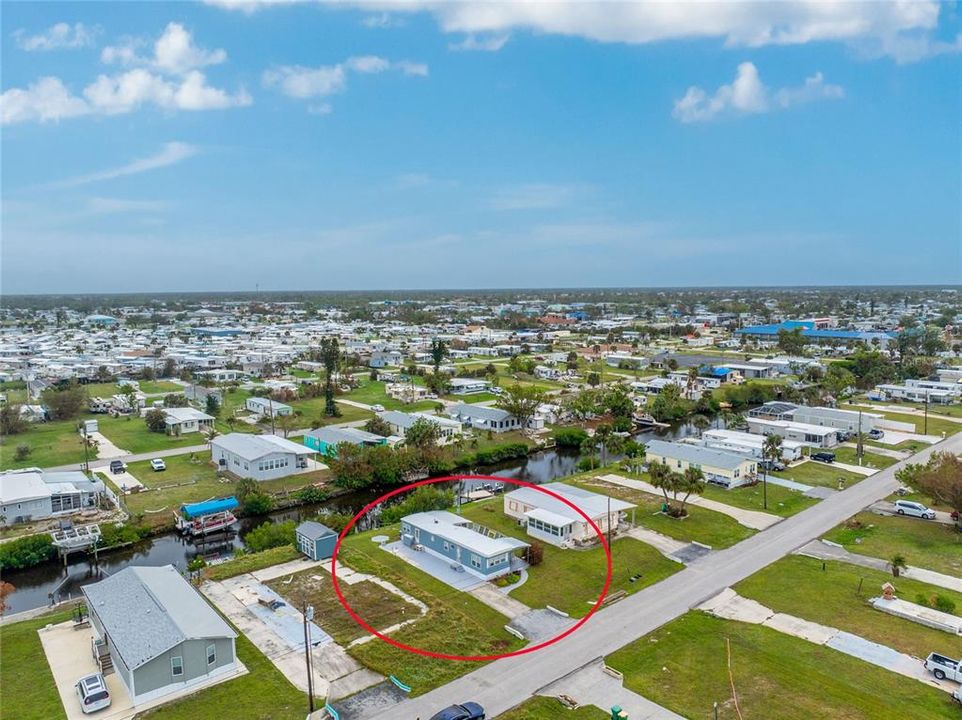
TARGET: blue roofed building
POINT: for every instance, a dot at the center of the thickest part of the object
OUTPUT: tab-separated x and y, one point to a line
811	330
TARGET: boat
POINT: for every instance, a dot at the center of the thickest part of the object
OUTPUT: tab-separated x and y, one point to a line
646	420
204	518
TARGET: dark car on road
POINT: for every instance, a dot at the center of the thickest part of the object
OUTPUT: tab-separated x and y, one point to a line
117	467
825	457
464	711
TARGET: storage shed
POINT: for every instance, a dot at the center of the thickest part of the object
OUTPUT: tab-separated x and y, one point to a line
315	540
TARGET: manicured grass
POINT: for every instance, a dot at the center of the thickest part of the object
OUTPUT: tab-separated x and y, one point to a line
130	433
262	694
104	390
372	392
471	399
571	580
849	455
51	444
913	445
953	410
154	387
683	666
781	500
456	622
251	562
923	543
312	413
29	692
812	472
936	425
549	708
379	607
15	391
798	586
701	525
187	480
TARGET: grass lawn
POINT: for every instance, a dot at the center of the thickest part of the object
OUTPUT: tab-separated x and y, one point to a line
262	694
913	445
937	425
372	392
849	455
570	580
781	500
312	412
473	398
923	544
380	608
812	472
702	525
549	708
51	444
798	586
251	562
456	622
29	692
185	480
104	390
130	433
683	666
16	391
154	387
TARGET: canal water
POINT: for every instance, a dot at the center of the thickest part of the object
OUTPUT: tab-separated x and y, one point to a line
34	586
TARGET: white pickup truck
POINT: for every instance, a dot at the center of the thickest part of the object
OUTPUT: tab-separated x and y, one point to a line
943	667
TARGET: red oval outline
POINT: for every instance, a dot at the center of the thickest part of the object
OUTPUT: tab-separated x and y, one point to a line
468	658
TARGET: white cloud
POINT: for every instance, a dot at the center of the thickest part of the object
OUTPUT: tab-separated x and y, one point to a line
301	82
61	36
171	154
381	20
46	100
532	196
747	95
491	43
737	24
173	52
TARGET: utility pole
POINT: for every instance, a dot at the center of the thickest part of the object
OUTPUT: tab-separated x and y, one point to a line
308	616
270	404
609	523
925	429
860	450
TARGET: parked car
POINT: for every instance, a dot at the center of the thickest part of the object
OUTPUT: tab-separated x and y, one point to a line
943	667
93	693
957	695
876	434
465	711
377	408
117	467
914	509
825	457
770	465
157	465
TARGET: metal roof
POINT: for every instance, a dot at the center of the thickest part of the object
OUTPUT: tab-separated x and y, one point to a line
146	611
253	447
595	505
314	530
484	413
333	435
456	529
696	454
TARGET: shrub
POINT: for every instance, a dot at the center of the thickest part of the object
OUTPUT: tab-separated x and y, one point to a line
335	521
112	534
944	604
311	494
422	499
26	552
257	503
270	535
535	553
569	437
22	452
587	463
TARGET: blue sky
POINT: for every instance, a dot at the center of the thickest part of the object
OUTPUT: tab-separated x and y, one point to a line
363	145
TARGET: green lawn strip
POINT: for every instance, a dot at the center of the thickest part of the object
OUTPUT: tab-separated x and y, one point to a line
913	445
29	691
936	425
549	708
812	472
372	392
472	398
104	390
953	410
192	480
781	500
312	413
154	387
251	562
798	586
15	391
51	444
683	666
130	433
570	579
456	622
379	607
922	543
701	525
849	455
264	693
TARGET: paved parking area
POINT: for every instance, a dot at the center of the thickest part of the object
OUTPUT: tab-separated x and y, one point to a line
433	566
124	481
540	625
70	658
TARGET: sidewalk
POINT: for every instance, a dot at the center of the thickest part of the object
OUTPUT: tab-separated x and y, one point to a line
749	518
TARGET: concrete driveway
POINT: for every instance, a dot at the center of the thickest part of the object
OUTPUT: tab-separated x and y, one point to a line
124	481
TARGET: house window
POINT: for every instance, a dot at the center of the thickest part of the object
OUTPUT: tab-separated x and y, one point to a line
475	560
211	654
513	505
177	666
445	545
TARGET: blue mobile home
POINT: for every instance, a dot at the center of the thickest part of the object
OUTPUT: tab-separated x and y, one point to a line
479	551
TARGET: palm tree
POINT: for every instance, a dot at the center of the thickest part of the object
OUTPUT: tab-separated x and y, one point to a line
211	433
692	481
898	564
701	422
771	451
661	476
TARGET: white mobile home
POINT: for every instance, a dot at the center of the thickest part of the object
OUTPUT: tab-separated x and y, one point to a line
549	519
260	457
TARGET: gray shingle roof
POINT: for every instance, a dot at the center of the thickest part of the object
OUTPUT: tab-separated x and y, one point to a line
149	610
314	530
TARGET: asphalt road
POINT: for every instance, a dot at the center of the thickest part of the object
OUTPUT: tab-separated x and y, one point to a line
502	684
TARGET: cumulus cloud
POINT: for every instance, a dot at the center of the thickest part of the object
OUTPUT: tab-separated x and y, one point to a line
61	36
303	83
173	52
737	24
169	79
170	154
492	43
747	95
